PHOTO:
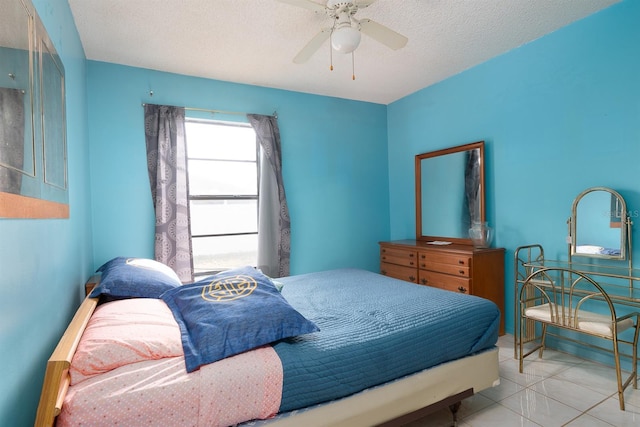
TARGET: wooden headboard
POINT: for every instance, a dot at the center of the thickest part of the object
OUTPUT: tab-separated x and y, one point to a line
56	377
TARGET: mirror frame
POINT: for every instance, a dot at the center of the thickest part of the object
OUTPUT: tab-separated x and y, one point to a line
418	176
624	224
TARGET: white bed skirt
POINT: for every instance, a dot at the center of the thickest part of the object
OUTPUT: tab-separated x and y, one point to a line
380	404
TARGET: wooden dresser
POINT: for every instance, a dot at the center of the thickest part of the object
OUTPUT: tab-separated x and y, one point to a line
455	267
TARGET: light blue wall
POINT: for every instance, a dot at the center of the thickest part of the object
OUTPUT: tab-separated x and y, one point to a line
334	155
44	263
558	115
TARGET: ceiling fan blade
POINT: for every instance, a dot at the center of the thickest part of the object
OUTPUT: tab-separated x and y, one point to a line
307	4
364	3
311	47
382	34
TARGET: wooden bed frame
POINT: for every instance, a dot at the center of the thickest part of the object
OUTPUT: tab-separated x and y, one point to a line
393	404
56	376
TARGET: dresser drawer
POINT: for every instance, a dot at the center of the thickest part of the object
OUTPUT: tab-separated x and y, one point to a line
399	272
407	258
452	258
455	270
445	281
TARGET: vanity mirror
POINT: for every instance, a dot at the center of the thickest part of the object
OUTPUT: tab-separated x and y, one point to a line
450	193
33	152
599	225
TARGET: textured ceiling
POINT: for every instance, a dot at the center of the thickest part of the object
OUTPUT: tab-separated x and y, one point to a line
254	41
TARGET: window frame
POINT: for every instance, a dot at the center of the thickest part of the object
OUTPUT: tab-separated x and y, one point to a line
223	197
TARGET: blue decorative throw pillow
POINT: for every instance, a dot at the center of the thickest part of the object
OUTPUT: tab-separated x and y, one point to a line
135	278
230	313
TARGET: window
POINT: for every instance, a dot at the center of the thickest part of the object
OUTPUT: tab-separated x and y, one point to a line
223	194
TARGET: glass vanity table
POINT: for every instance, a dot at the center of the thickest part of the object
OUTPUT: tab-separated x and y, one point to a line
595	292
450	198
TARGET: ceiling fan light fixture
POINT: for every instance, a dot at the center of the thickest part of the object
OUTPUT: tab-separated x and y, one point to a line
345	39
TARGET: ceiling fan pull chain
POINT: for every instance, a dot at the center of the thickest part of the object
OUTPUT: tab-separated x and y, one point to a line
330	56
353	66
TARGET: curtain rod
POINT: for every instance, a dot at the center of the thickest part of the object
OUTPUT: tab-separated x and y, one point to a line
208	110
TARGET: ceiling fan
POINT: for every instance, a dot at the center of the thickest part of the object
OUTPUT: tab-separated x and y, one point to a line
346	29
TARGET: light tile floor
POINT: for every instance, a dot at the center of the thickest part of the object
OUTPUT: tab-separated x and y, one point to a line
558	390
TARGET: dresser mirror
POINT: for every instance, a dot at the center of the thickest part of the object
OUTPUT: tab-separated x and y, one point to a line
599	224
449	193
33	152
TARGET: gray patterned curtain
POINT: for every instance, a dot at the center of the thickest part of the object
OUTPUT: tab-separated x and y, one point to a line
274	225
471	213
167	165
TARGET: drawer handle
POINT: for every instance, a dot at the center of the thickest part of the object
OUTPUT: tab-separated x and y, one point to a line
413	279
384	250
424	281
462	289
410	255
410	262
383	272
422	256
461	262
384	257
461	271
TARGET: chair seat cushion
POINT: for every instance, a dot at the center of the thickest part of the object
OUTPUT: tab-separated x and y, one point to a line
595	323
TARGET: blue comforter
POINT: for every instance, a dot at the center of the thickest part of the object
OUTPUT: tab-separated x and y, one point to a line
374	329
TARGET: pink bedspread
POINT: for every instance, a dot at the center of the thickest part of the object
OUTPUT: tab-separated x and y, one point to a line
160	393
128	370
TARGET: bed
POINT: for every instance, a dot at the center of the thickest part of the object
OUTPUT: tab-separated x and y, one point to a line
386	352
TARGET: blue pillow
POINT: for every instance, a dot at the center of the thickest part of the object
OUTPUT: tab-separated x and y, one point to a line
135	278
230	313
